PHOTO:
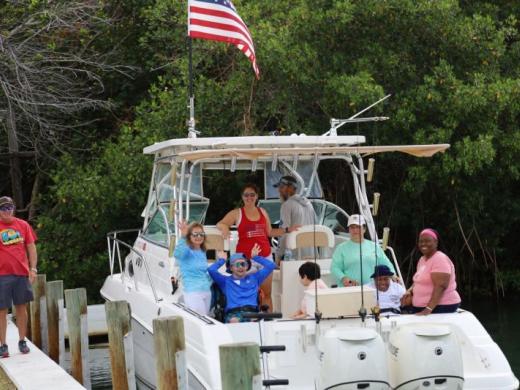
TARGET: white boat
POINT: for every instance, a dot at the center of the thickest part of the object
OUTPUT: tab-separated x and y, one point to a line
340	351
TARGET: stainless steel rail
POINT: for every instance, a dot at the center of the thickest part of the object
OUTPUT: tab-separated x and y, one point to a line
114	251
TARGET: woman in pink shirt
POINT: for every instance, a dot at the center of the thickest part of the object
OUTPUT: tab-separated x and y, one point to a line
434	288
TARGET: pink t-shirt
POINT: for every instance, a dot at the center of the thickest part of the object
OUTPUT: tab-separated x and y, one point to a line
311	286
423	285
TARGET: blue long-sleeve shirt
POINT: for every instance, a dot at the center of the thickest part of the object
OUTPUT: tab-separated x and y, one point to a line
241	292
193	264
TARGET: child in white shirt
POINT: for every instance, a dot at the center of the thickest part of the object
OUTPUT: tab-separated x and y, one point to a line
389	292
310	277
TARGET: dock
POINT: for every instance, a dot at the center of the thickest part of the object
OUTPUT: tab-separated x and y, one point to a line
33	371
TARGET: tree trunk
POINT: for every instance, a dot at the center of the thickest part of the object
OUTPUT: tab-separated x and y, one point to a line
15	170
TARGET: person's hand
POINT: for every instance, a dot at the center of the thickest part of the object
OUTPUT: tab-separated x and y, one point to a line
183	227
224	230
222	255
424	312
255	251
406	299
349	282
293	228
32	276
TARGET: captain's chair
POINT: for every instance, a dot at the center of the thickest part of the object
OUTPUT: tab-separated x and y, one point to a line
310	236
214	240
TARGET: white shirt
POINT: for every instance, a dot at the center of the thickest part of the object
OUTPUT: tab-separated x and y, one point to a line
391	298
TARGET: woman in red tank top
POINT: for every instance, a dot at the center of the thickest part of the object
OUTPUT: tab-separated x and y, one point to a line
254	227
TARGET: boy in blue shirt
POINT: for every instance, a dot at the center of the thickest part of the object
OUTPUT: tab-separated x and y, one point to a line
241	288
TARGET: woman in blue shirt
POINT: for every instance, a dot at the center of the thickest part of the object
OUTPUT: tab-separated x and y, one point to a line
190	254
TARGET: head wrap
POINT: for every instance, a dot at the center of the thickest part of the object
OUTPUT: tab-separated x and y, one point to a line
429	232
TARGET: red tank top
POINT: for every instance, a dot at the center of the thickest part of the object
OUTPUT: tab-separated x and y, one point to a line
251	233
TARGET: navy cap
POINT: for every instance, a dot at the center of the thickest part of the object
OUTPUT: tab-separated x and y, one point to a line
286	181
381	270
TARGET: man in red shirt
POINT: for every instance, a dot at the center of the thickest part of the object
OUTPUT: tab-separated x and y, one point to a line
18	260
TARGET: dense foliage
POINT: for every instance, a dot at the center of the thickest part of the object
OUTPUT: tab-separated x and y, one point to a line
453	68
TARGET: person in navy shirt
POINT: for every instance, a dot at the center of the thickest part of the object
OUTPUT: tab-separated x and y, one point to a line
240	288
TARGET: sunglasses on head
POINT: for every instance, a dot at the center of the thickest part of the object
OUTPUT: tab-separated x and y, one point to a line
249	194
198	235
8	207
240	264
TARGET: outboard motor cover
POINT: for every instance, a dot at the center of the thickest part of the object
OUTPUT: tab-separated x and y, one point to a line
425	356
353	358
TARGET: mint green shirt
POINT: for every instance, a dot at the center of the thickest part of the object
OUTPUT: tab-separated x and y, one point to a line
345	261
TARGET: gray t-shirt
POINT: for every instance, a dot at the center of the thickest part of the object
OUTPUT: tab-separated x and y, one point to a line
297	210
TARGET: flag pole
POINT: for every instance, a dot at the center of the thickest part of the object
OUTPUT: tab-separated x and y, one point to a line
192	132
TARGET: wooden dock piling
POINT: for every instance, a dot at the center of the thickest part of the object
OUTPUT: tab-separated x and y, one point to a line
118	321
54	295
76	302
35	310
170	353
240	366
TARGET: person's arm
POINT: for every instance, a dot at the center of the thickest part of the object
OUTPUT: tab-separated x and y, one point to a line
32	254
181	248
216	275
440	283
268	267
229	220
336	268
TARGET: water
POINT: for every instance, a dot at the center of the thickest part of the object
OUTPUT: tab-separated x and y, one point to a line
501	320
99	360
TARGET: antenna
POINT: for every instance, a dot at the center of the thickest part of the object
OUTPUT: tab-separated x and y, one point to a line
335	124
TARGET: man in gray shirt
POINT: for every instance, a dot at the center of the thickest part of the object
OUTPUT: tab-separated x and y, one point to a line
295	211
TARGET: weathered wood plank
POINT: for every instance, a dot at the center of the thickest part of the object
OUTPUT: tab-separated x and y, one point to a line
240	366
170	353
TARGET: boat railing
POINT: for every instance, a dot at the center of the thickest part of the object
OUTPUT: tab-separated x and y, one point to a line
114	253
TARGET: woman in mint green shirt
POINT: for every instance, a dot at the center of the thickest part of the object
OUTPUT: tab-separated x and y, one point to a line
346	266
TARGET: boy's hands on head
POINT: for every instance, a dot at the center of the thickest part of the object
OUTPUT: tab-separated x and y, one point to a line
222	255
255	251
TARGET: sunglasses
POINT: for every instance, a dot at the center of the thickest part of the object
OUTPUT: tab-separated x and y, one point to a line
198	235
9	207
240	264
249	194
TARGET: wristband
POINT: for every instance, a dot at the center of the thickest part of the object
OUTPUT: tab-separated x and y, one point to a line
34	270
429	308
286	230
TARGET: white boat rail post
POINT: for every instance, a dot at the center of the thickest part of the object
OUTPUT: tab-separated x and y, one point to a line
150	195
181	188
110	259
314	174
361	200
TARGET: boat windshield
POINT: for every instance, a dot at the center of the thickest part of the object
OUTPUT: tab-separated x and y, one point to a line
327	213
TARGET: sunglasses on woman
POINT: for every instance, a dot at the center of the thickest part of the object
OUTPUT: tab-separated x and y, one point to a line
248	194
198	235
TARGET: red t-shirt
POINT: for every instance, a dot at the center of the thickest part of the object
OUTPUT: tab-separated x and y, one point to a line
14	238
251	233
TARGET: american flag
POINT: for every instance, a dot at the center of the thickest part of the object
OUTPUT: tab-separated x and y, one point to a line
218	20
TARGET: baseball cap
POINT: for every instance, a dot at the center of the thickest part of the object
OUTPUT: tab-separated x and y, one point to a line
356	219
287	181
5	200
381	270
236	256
